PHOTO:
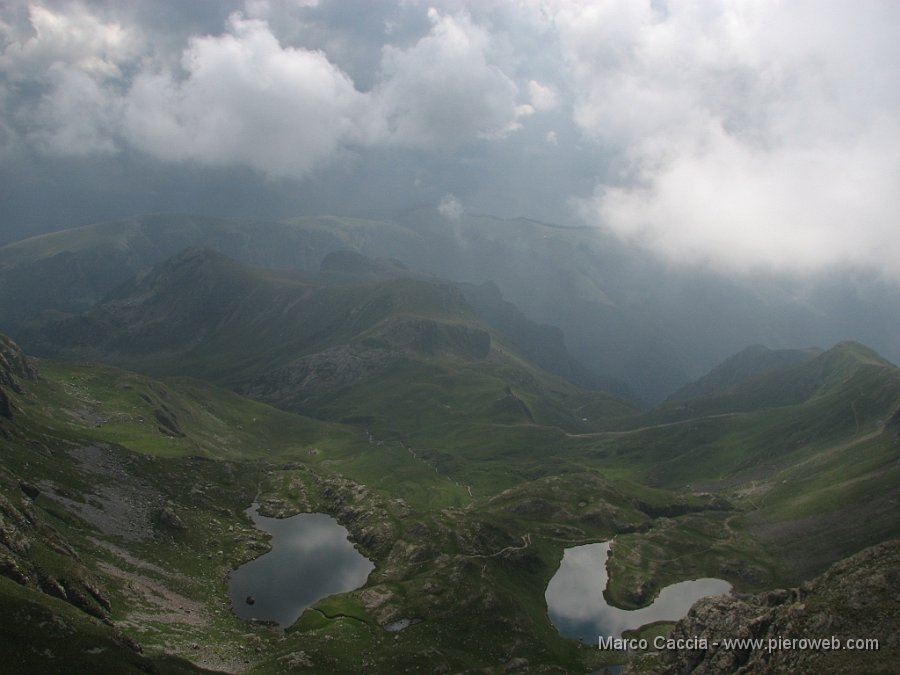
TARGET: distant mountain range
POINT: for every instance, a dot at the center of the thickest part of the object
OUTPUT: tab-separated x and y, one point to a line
640	326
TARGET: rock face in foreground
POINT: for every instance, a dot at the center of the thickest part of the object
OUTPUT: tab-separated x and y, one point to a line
857	598
14	368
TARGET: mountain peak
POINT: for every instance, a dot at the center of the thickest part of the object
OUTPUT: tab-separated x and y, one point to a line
753	361
857	351
757	379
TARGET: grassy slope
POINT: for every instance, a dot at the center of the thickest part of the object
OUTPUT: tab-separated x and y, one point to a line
70	641
115	406
210	317
804	475
477	486
475	545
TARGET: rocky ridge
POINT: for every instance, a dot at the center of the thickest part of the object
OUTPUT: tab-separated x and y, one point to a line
856	599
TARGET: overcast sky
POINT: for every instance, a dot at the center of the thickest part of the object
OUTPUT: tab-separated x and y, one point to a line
743	134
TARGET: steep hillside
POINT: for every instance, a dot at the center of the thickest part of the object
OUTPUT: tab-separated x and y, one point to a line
401	355
543	344
201	303
753	362
758	378
15	371
808	454
846	395
70	270
67	272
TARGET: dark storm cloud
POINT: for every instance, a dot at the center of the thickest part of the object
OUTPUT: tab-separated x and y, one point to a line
743	135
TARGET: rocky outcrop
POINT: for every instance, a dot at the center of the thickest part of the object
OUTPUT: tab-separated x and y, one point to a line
315	374
167	517
6	406
427	336
14	365
167	422
21	532
857	599
15	369
702	502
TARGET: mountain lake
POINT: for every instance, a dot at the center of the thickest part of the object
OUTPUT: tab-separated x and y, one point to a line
311	558
578	610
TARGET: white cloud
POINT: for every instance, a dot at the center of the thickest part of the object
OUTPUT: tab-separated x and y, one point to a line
75	116
736	206
450	207
74	37
748	133
68	64
239	98
543	97
249	101
243	98
444	90
262	9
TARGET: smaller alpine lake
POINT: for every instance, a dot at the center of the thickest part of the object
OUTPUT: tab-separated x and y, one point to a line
577	608
311	558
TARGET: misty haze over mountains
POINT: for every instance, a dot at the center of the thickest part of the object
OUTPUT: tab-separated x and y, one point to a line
647	329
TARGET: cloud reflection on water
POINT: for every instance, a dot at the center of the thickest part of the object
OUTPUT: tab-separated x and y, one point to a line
311	558
577	608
